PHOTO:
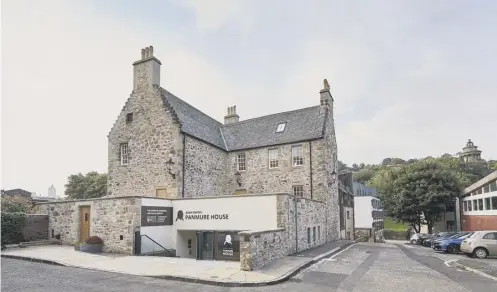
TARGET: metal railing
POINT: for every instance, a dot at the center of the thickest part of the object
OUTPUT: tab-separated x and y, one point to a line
154	248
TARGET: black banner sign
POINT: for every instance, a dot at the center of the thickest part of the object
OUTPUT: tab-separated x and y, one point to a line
156	216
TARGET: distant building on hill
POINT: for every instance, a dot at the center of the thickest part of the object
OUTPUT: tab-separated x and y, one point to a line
470	153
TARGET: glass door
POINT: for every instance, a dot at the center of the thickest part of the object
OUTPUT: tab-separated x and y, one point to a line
205	245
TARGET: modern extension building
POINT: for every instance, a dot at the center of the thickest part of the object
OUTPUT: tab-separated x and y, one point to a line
245	190
478	205
368	211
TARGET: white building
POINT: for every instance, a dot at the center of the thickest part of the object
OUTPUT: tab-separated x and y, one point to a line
368	213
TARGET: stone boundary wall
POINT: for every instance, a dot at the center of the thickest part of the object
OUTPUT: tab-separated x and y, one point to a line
295	218
35	227
114	220
260	248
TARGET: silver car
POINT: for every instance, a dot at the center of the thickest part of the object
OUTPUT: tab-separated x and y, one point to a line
481	244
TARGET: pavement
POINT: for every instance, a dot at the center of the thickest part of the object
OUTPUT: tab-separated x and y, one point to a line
485	267
222	273
362	267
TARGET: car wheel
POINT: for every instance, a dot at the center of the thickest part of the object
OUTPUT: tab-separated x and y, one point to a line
481	253
452	248
413	241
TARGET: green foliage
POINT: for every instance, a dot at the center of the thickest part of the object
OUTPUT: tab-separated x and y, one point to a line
396	234
13	204
12	225
364	175
393	225
416	193
91	185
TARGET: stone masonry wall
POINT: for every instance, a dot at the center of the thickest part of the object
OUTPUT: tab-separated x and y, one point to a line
258	178
205	169
153	137
259	248
109	219
330	160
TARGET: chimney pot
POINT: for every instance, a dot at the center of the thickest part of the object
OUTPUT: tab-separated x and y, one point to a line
146	71
231	117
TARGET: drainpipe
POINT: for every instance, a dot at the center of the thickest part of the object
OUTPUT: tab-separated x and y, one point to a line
183	167
296	229
310	164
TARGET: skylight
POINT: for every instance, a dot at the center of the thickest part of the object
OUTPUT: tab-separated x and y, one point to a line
281	128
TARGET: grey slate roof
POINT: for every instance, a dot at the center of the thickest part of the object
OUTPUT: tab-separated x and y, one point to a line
302	124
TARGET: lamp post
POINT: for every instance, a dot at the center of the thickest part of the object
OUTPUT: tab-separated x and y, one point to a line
169	165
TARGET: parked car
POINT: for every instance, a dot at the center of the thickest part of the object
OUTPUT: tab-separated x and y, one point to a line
447	236
451	244
417	237
438	235
481	244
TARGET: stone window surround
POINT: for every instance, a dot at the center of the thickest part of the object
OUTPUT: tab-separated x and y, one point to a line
297	157
241	161
298	190
273	158
124	153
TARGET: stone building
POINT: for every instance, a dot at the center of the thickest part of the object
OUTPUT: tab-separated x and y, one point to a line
181	180
470	153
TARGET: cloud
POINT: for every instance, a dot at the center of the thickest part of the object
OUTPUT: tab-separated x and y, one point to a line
407	81
214	14
65	80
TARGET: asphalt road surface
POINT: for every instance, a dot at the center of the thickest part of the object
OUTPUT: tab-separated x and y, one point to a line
364	267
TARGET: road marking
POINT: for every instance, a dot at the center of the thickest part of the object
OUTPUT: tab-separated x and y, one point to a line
320	262
476	271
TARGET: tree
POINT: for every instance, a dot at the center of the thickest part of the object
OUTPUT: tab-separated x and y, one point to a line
91	185
342	166
416	193
13	204
363	175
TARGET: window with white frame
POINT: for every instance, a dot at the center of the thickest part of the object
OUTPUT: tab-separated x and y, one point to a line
240	162
273	158
465	205
281	127
470	208
487	204
297	155
124	153
475	205
298	191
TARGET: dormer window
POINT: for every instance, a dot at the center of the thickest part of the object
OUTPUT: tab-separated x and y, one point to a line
281	127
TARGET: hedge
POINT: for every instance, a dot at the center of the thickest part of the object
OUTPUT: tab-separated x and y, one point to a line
396	235
12	225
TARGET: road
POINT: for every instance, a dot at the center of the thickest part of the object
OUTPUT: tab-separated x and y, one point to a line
364	267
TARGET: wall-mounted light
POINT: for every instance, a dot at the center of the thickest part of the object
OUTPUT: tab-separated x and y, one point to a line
169	165
333	177
238	178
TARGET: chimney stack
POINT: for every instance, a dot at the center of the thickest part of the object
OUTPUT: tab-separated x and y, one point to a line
326	100
231	117
146	71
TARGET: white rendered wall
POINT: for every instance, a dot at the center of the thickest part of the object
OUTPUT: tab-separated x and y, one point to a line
363	209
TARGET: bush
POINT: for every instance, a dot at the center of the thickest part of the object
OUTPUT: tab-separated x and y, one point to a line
395	234
12	225
94	240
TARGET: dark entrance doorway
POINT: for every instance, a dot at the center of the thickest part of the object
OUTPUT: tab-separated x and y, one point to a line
218	245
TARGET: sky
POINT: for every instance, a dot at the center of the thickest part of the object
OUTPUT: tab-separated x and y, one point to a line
410	79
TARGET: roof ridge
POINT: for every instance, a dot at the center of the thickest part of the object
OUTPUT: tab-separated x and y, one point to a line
191	106
249	120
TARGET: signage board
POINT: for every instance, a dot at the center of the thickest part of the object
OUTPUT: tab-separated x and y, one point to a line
156	216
